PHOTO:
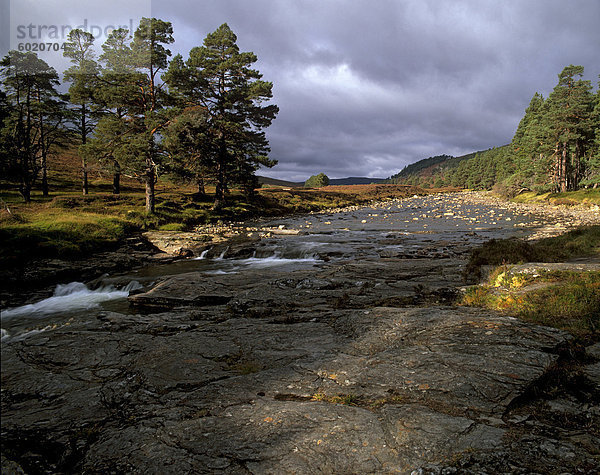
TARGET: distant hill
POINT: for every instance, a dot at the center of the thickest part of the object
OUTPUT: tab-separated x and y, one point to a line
355	180
265	180
473	170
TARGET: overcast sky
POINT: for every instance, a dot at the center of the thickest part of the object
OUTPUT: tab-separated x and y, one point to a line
367	87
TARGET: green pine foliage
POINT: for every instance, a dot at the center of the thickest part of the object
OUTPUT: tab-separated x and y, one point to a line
34	116
218	92
83	76
556	148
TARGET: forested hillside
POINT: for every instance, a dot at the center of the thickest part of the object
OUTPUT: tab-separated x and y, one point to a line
556	148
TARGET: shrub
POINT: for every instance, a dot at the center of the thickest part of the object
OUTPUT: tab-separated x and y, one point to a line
317	181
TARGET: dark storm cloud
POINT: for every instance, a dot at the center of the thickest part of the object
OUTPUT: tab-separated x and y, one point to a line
366	87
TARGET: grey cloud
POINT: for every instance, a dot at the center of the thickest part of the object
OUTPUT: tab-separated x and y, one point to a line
365	87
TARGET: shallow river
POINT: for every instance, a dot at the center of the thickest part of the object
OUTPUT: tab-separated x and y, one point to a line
431	226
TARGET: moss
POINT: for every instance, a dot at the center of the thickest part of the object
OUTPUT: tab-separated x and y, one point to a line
172	227
61	236
344	399
570	301
570	198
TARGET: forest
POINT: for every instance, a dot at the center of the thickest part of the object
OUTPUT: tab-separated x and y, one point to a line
556	148
136	112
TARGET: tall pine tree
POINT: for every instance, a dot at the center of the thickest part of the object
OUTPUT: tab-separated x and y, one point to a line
218	79
83	76
34	119
569	126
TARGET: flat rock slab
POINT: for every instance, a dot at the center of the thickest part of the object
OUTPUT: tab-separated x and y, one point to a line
367	391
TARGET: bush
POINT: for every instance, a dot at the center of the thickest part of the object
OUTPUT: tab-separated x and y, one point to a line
317	181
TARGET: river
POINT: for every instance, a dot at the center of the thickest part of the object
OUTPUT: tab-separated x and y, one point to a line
413	227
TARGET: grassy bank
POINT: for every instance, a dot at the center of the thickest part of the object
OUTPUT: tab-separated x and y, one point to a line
588	197
69	225
577	243
559	298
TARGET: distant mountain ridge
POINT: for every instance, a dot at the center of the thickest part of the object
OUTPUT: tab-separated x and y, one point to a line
355	180
352	180
473	170
265	180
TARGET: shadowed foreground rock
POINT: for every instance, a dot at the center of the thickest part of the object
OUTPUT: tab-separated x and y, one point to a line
287	377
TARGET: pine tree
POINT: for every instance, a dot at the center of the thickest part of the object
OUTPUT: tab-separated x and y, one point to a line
83	76
591	175
191	147
33	121
569	127
116	85
130	88
529	147
218	79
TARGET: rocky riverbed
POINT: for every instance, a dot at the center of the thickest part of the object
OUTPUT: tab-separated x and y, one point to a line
330	344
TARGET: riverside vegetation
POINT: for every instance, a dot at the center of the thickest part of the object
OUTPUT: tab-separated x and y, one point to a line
564	297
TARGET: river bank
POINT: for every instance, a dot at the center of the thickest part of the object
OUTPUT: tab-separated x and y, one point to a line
338	348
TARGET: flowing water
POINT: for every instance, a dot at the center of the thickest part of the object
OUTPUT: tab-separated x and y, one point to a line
431	226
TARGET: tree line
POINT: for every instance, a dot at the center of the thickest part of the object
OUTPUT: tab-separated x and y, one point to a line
138	112
556	147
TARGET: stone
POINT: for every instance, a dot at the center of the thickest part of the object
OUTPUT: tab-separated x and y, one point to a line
358	364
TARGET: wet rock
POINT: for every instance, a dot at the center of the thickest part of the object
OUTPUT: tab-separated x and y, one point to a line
356	365
191	289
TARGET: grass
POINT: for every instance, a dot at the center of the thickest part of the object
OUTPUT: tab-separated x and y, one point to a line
57	234
570	301
584	241
566	300
584	196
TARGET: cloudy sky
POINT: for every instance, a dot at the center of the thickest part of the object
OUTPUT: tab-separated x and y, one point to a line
367	87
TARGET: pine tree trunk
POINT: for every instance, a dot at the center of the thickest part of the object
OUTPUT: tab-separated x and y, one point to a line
45	190
44	161
25	191
576	165
557	168
219	196
116	183
201	189
563	169
150	197
117	179
85	186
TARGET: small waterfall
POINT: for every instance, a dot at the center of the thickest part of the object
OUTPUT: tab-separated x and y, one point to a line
202	255
68	297
222	255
